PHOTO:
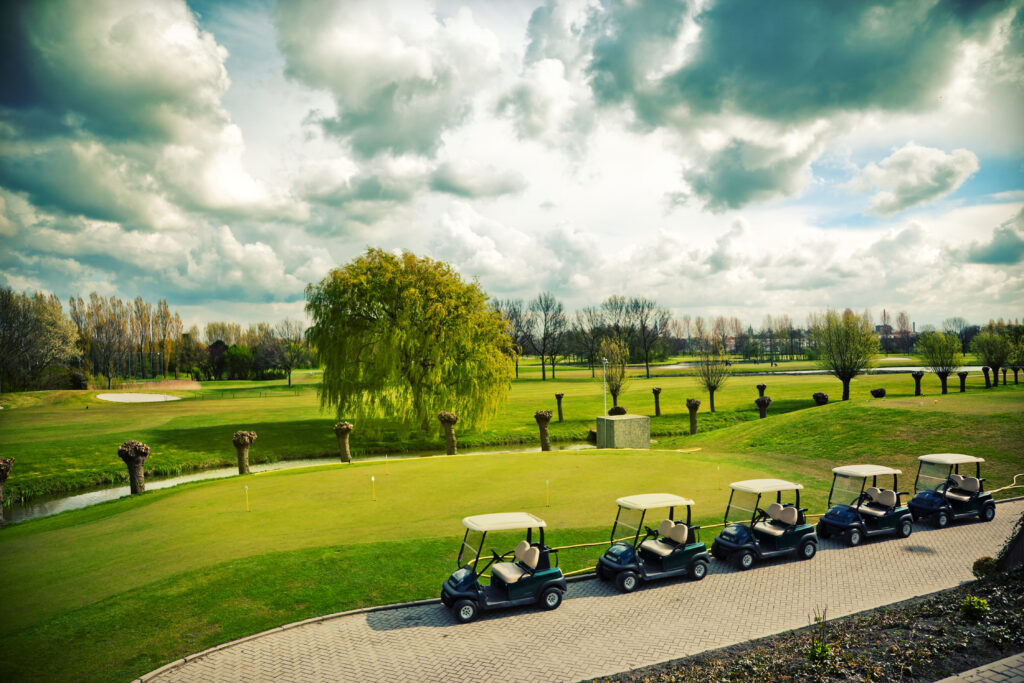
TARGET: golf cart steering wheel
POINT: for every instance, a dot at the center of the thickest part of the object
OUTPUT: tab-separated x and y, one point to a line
497	557
761	514
650	531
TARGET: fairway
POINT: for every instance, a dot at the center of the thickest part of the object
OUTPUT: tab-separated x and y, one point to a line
90	581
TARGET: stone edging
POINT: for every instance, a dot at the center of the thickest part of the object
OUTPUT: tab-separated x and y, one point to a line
337	615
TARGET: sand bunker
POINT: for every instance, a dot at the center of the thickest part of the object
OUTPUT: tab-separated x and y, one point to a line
137	398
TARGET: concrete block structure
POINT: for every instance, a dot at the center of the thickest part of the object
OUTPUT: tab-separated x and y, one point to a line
624	431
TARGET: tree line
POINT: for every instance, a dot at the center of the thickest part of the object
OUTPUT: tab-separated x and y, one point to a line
42	347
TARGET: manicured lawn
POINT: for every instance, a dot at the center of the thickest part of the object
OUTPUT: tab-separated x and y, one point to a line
112	591
67	441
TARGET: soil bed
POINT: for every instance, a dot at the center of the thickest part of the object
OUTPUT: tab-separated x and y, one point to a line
923	639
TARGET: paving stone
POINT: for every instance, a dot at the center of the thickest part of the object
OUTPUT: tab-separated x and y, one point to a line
597	631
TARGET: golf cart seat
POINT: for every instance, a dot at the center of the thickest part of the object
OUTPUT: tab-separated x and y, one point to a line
527	557
965	487
674	535
879	503
782	517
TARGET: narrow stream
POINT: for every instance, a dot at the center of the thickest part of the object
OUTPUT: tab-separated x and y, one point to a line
45	506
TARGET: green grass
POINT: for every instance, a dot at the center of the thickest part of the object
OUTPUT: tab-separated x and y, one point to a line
67	441
112	591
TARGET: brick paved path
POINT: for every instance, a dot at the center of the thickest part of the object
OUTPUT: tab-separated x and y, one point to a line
598	631
1009	670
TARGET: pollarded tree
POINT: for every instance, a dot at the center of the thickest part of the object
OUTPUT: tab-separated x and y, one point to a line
993	349
941	353
846	344
712	368
403	337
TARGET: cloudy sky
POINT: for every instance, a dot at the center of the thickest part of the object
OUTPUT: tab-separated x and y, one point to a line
721	157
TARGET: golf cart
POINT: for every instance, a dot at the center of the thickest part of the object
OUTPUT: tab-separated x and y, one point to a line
764	533
943	494
861	512
520	576
673	549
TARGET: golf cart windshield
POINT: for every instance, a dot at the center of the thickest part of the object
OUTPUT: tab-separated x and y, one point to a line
627	524
742	504
470	550
931	476
846	490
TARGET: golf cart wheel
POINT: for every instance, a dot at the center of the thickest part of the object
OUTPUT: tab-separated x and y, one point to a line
988	513
465	611
627	581
551	598
941	519
823	530
906	528
853	537
698	570
808	549
746	559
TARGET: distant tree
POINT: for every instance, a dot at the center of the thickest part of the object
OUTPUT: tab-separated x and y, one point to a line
993	349
189	353
238	360
712	369
229	333
549	315
294	351
588	328
651	326
619	323
34	333
904	331
216	359
845	343
520	324
405	337
615	376
941	353
108	323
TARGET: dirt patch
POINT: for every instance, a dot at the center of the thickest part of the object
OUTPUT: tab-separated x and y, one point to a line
923	639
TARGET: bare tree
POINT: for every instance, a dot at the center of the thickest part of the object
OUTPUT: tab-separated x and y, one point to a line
588	327
551	324
618	319
712	370
520	324
651	324
294	352
903	330
958	326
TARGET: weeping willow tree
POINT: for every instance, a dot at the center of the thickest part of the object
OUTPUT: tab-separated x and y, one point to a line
401	338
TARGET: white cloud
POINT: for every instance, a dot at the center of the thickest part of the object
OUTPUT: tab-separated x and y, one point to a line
914	175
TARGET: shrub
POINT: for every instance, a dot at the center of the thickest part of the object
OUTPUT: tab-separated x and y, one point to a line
984	566
820	398
974	607
617	410
878	393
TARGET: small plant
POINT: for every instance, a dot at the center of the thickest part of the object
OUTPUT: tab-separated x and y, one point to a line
984	566
820	398
878	393
820	650
617	410
974	607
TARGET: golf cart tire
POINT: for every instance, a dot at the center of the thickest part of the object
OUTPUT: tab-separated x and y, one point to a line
627	581
698	570
808	549
941	519
988	513
465	611
551	598
823	530
746	559
906	527
854	537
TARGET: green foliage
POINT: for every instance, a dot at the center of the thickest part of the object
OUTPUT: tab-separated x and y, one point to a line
712	369
984	566
846	344
974	607
405	337
992	348
819	650
34	334
615	375
239	360
940	352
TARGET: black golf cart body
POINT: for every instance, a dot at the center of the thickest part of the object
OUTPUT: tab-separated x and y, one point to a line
673	549
781	529
943	493
520	576
858	508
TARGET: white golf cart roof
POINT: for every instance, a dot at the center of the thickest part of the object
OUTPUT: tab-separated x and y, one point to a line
764	486
647	501
864	470
503	521
949	458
